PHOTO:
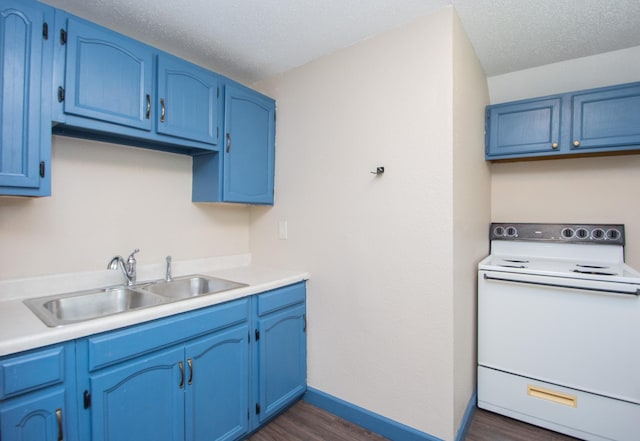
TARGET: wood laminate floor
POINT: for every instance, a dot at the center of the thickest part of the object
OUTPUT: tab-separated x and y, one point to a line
304	422
489	426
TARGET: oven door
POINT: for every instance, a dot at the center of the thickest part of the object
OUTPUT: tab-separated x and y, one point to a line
571	332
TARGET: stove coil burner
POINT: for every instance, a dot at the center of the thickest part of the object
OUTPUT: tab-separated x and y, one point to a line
515	261
591	266
595	273
512	266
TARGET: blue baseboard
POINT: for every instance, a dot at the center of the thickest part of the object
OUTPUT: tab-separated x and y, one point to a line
365	418
468	416
379	424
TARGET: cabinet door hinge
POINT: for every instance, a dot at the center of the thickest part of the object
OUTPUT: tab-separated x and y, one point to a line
257	335
63	37
45	30
217	92
304	317
86	399
60	94
257	408
248	415
42	169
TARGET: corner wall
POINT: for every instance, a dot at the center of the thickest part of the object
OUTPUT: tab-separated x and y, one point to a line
580	190
471	211
379	249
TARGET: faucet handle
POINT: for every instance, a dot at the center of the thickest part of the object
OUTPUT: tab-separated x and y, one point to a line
167	276
131	258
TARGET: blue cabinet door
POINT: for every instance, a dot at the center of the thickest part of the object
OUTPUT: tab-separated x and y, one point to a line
187	101
34	417
25	70
525	127
140	400
606	119
217	391
282	360
249	146
108	76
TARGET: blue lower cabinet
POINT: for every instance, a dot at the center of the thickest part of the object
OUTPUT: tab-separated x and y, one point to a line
281	351
195	376
37	392
217	386
140	399
35	417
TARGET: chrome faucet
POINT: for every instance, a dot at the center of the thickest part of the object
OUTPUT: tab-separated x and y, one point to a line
128	268
167	276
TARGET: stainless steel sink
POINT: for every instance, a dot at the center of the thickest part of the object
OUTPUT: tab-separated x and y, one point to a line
68	308
190	286
63	309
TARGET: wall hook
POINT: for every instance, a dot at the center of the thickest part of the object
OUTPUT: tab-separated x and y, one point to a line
379	171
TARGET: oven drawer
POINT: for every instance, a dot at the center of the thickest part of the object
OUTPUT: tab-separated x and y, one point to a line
582	339
580	414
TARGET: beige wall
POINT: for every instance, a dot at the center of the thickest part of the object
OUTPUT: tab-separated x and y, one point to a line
379	249
109	199
590	190
471	210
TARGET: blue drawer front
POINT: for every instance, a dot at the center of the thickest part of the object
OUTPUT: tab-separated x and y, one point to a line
281	298
113	347
32	370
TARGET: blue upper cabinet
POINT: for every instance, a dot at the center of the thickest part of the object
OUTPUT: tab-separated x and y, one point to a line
524	127
187	100
108	76
606	119
113	88
596	121
244	170
25	79
249	148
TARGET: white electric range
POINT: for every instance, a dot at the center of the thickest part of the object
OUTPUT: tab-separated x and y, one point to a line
558	322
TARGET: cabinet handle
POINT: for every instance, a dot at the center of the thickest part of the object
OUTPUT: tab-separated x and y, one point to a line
148	114
59	418
181	366
161	109
576	143
228	142
190	363
554	145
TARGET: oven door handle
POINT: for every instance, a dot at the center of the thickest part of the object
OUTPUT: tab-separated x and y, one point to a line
558	285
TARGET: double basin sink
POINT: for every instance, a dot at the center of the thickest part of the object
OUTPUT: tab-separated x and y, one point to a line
63	309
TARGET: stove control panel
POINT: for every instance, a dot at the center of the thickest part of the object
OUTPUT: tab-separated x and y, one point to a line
606	234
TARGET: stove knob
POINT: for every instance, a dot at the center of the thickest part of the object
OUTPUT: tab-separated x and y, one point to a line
498	231
567	233
512	232
598	234
582	233
613	234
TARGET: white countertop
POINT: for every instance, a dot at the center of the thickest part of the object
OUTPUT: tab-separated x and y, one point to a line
21	329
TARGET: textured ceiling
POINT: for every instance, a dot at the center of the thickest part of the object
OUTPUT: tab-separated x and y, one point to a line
251	40
510	35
